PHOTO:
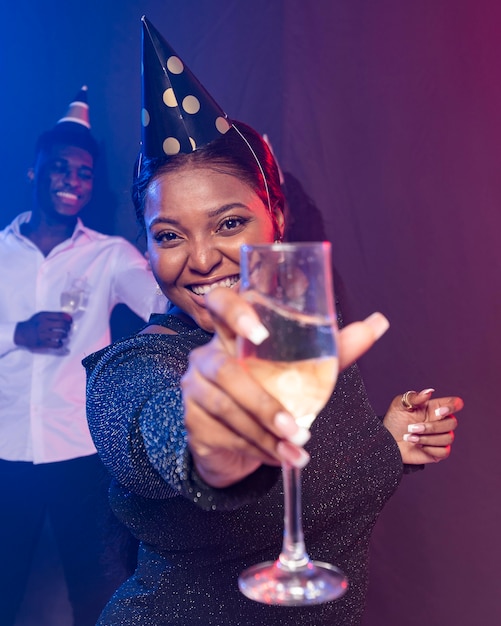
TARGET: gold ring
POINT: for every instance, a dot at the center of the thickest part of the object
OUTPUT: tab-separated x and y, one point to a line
405	400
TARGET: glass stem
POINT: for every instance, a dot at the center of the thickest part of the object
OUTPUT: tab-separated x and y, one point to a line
293	555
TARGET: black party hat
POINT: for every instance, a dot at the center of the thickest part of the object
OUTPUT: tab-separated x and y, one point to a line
178	114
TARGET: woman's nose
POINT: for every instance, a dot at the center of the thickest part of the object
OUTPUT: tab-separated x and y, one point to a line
204	257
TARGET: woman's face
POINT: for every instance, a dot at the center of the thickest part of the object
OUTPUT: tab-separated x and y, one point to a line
196	220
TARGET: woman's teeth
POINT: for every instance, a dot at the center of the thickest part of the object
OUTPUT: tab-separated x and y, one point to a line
201	290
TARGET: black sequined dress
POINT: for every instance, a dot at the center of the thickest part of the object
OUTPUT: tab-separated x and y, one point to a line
195	540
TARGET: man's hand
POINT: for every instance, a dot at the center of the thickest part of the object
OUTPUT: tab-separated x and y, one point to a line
46	329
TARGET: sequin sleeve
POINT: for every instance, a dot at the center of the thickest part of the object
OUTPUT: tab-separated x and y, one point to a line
135	414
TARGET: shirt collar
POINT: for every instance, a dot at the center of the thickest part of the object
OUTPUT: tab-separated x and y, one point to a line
15	226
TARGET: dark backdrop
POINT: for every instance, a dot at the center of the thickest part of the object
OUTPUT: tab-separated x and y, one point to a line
388	114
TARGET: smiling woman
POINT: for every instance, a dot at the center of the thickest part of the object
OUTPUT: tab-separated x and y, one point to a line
197	214
194	442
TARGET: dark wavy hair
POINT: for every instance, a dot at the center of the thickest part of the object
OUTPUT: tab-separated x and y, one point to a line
237	153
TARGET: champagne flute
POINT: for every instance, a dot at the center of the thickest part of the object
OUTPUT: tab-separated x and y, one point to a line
290	287
74	297
73	300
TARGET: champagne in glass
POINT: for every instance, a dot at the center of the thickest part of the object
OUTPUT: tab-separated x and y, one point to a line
73	300
290	287
74	297
70	301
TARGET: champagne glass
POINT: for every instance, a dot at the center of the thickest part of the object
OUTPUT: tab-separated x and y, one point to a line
73	300
290	287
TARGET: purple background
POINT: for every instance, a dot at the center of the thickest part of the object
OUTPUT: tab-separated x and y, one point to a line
388	114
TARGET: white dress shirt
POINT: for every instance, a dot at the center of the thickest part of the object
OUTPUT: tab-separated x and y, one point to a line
42	394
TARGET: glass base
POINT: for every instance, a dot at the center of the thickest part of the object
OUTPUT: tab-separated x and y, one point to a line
272	583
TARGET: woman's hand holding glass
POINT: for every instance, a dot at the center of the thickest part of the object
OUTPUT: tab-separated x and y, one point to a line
233	424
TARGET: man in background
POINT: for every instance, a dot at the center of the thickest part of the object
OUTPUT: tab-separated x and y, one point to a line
59	284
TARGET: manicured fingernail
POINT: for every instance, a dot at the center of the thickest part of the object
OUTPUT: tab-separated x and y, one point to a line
297	457
252	330
440	412
416	428
286	424
430	390
378	323
411	438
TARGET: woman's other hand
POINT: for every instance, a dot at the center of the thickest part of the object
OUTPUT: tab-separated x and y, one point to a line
422	426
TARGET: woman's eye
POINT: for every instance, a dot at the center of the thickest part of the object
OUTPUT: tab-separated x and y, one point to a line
231	223
166	237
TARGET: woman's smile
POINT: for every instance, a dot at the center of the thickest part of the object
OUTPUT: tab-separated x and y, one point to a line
203	289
